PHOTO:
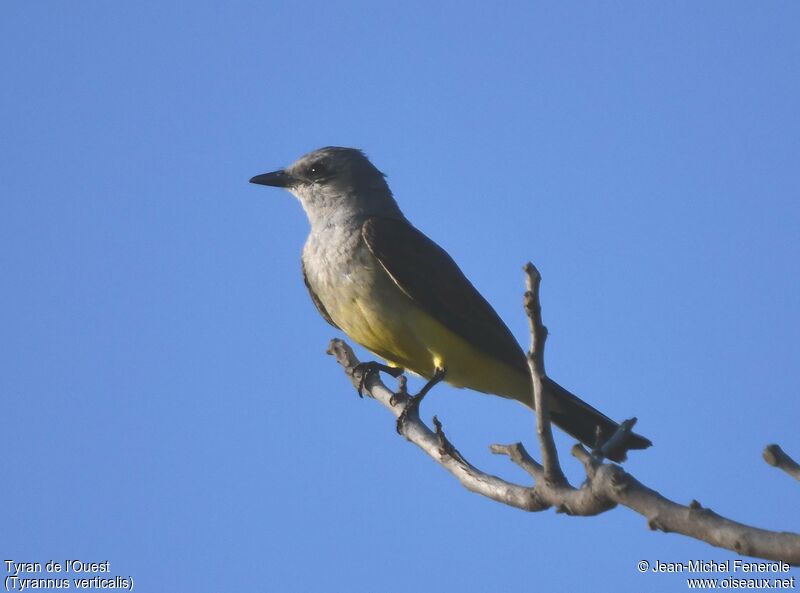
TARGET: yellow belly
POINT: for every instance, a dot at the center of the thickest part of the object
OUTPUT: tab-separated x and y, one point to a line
405	336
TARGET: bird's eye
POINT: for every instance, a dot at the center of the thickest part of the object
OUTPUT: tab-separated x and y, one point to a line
317	171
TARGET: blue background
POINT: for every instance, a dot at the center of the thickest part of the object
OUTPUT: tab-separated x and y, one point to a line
167	403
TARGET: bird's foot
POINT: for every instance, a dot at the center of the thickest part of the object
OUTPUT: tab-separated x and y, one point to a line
413	401
366	369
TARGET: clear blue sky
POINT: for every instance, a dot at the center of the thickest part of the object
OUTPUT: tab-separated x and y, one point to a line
167	402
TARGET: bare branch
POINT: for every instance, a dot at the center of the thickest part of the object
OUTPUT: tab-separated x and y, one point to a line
544	430
777	457
607	484
427	440
617	439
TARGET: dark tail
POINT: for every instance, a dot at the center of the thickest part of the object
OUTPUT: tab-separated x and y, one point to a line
582	421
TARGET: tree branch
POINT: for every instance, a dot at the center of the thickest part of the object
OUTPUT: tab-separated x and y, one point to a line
541	403
777	457
607	484
423	437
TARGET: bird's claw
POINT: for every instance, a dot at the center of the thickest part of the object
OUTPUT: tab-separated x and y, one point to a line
366	369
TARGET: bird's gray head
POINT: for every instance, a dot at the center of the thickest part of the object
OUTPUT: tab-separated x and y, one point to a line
333	183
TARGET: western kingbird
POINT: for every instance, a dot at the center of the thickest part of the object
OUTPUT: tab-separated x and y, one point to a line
390	288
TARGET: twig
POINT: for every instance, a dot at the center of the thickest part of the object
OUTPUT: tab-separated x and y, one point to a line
618	438
777	457
544	430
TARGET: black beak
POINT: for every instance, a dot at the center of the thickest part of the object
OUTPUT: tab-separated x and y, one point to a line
275	179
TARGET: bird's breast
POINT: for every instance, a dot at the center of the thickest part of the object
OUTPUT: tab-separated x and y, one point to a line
363	300
338	265
359	295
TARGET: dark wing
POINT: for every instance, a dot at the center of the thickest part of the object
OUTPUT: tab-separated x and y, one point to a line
317	303
426	273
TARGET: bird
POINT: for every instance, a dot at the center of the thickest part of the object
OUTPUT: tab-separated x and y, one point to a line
394	291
